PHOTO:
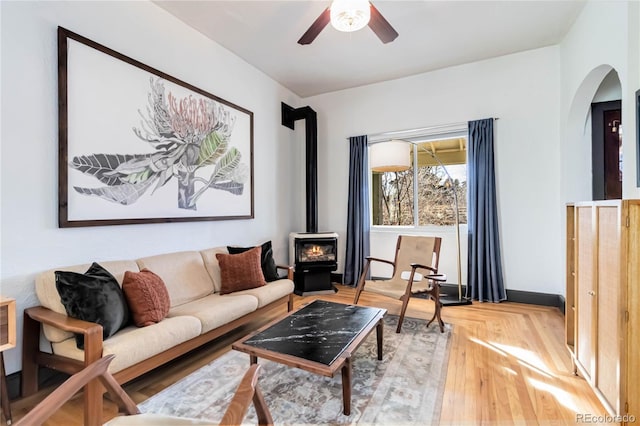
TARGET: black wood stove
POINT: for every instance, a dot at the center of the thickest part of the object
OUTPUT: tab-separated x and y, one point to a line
315	256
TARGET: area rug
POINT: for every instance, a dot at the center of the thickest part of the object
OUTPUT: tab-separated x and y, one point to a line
405	388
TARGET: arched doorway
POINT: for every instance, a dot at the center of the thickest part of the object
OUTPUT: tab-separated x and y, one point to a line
601	84
606	139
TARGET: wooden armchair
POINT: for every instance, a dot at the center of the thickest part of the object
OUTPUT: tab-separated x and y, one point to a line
246	393
413	253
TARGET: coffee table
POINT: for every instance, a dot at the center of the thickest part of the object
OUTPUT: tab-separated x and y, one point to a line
319	337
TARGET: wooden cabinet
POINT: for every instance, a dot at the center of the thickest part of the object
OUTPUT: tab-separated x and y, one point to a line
602	319
7	323
7	341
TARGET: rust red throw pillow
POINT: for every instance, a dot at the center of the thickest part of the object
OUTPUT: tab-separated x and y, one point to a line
240	271
269	268
147	297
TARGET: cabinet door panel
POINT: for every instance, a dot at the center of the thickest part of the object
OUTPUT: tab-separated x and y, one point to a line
585	288
570	295
631	258
609	323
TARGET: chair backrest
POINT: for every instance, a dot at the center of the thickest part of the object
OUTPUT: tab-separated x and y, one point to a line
246	393
416	249
56	399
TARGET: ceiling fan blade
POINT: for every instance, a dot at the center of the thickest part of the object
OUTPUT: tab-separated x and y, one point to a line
381	26
315	28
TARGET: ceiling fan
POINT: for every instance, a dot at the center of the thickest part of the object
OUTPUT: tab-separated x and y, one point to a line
351	15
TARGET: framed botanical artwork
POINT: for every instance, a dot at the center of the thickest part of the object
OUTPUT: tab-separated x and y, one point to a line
139	146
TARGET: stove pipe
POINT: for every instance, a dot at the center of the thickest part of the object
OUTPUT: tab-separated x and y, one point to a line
289	116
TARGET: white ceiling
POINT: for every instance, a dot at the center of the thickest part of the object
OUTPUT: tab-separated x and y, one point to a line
433	35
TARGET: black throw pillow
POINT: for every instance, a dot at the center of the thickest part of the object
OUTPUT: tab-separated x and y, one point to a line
94	296
267	263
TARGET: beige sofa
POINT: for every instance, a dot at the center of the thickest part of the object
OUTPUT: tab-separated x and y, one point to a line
197	315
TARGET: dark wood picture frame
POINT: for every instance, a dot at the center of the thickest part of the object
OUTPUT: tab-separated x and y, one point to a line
196	162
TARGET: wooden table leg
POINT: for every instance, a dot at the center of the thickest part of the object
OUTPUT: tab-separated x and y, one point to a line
346	386
6	407
379	333
253	359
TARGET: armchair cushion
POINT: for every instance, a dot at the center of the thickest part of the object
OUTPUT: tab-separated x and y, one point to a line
94	296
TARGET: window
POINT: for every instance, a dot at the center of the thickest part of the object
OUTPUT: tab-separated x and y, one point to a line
424	195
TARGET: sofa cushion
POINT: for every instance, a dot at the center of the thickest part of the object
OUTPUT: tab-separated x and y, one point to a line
240	271
215	310
94	296
147	297
267	263
183	273
50	298
132	345
270	292
212	265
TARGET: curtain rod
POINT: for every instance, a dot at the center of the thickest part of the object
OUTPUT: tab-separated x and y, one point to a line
398	133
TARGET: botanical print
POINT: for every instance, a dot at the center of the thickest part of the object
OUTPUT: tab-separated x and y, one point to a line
137	145
190	137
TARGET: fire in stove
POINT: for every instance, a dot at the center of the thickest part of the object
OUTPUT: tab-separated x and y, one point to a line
315	252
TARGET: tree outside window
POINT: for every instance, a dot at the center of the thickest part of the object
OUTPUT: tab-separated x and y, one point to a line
394	193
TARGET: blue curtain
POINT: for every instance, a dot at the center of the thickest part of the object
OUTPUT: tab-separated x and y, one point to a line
358	223
485	263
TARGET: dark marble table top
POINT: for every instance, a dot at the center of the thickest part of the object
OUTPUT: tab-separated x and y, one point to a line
318	332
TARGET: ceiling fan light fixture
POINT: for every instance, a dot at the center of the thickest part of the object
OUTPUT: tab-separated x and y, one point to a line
350	15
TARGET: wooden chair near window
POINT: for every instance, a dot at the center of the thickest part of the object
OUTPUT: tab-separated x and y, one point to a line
413	254
246	393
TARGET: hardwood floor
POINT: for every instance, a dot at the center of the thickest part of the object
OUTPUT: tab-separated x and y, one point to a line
508	365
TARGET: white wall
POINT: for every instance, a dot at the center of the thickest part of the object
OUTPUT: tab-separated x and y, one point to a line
522	90
605	36
31	240
609	89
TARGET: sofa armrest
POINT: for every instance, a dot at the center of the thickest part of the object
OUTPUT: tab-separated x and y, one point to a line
92	331
32	357
61	321
289	270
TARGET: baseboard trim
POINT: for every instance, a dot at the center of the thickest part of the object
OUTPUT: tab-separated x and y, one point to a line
534	298
517	296
13	385
46	377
